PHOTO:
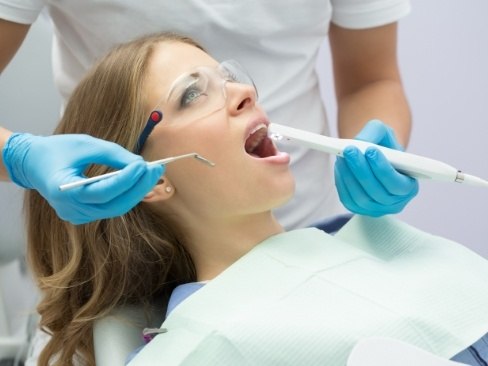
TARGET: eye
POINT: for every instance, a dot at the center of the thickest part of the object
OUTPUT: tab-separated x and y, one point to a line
190	95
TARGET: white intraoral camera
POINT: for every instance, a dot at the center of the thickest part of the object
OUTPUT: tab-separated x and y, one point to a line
413	165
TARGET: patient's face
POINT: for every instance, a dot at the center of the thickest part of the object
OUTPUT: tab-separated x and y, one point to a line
250	174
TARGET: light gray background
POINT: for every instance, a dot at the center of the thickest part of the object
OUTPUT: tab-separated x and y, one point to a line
444	58
443	51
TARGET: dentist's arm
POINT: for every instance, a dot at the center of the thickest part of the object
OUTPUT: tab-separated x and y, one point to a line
11	37
4	135
368	87
367	80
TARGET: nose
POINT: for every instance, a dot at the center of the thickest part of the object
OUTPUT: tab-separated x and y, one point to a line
240	97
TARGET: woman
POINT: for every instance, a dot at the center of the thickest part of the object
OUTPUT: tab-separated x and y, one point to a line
202	224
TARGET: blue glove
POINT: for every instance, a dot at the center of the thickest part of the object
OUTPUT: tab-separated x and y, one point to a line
44	163
368	184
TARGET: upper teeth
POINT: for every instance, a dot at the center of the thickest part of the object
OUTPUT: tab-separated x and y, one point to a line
258	127
253	140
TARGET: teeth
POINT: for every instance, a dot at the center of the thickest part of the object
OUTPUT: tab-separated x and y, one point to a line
258	127
254	138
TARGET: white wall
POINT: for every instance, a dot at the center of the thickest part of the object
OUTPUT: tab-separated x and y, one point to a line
443	51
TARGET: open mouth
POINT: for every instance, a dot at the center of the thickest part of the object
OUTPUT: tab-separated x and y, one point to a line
258	144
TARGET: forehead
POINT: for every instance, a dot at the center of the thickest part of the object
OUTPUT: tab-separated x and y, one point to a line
169	60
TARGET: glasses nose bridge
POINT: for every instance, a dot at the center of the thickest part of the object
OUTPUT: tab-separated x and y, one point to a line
230	72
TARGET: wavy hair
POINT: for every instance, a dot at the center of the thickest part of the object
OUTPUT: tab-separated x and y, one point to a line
86	271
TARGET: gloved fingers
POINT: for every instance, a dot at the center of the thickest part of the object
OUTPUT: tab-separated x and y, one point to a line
59	159
346	183
368	184
77	213
355	199
379	133
341	186
130	198
394	182
108	189
360	172
95	151
116	205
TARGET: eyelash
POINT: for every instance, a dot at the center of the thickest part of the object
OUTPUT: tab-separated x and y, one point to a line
184	98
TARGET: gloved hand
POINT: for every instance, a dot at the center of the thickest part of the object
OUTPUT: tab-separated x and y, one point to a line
367	183
44	163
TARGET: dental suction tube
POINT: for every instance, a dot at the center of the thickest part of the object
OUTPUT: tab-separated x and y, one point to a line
410	164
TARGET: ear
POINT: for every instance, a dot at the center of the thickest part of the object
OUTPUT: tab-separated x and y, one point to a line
162	191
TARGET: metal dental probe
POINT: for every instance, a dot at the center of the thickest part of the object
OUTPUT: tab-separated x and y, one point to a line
165	161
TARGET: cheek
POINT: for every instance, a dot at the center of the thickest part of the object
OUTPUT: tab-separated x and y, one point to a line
209	143
177	141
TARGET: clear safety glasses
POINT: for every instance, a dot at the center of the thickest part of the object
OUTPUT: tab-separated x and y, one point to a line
196	95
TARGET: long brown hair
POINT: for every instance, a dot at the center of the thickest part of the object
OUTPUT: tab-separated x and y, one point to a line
85	271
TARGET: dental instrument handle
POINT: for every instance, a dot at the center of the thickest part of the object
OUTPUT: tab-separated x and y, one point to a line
165	161
410	164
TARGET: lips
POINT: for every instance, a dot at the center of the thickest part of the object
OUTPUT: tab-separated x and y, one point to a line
258	144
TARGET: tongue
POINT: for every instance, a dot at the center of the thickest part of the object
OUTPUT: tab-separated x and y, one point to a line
264	149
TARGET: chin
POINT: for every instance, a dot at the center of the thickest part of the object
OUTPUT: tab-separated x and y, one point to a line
284	192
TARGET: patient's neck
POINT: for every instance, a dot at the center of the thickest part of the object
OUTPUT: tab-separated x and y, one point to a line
214	246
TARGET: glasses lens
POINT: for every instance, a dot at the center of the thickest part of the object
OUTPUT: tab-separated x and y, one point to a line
193	95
